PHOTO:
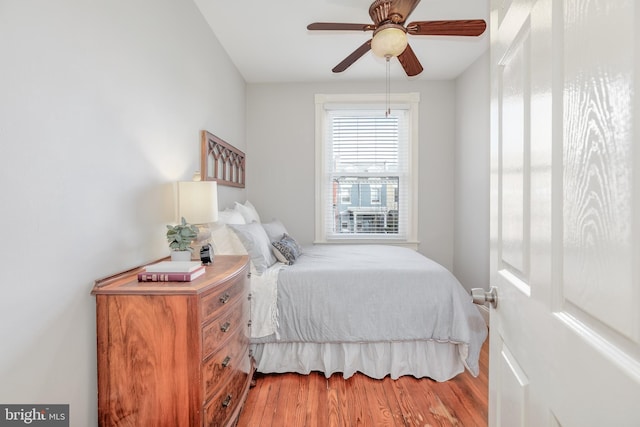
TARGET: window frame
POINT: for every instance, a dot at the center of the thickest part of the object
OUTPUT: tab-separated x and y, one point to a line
324	102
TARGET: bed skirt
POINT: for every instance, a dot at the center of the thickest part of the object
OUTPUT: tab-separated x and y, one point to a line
439	361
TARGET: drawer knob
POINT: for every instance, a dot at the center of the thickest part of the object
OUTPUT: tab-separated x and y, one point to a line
226	361
225	327
227	401
225	298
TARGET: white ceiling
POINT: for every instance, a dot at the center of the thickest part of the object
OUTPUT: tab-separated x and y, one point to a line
268	41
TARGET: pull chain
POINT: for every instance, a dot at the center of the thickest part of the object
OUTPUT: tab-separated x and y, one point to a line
388	94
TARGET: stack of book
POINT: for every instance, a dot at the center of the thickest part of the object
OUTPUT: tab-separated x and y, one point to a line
171	271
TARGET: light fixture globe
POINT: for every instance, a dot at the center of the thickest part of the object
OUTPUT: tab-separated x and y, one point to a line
389	41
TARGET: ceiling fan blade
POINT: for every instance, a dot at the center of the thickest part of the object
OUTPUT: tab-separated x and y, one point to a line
403	8
337	26
468	27
355	55
410	62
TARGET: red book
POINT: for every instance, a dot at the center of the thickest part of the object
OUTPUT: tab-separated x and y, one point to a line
170	277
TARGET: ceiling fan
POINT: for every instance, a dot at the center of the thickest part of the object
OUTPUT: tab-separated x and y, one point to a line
390	34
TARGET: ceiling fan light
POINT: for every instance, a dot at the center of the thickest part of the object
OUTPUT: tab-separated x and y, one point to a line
389	42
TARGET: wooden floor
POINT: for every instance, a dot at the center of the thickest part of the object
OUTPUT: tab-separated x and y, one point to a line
283	400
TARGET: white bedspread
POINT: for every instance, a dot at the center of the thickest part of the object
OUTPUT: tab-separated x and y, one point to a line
366	294
264	294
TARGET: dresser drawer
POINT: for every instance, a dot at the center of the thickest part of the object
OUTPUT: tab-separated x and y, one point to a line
223	403
234	318
222	297
216	369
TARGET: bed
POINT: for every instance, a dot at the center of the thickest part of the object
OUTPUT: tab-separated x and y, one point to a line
376	309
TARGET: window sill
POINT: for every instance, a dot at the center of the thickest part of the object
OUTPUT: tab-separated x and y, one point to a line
404	243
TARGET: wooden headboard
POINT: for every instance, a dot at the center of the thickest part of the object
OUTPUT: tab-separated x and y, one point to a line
221	161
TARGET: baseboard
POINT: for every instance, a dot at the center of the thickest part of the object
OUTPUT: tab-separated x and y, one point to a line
484	310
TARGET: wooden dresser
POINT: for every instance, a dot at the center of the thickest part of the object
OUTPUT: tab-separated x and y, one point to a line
174	353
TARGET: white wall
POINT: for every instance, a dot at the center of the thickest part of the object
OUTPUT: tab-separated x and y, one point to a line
280	156
101	104
471	236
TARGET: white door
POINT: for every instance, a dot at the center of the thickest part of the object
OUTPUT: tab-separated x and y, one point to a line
565	213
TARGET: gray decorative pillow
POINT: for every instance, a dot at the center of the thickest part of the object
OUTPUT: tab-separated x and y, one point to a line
256	242
285	252
292	242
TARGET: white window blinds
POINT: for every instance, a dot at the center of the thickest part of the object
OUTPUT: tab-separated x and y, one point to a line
363	143
366	176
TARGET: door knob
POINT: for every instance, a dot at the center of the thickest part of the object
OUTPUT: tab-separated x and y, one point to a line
480	296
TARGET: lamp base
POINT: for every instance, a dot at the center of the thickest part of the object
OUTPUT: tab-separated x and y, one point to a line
203	238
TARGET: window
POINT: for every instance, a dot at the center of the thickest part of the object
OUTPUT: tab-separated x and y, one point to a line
345	193
366	173
376	191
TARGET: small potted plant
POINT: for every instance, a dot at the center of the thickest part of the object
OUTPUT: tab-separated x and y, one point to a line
180	237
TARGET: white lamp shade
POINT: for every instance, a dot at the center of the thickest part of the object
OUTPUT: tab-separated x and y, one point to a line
198	201
389	42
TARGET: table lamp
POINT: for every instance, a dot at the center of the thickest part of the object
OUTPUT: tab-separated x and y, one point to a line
198	205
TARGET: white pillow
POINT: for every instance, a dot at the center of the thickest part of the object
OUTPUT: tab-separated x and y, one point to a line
248	211
230	216
275	230
225	241
257	244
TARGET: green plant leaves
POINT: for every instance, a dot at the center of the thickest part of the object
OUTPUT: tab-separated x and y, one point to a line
180	236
